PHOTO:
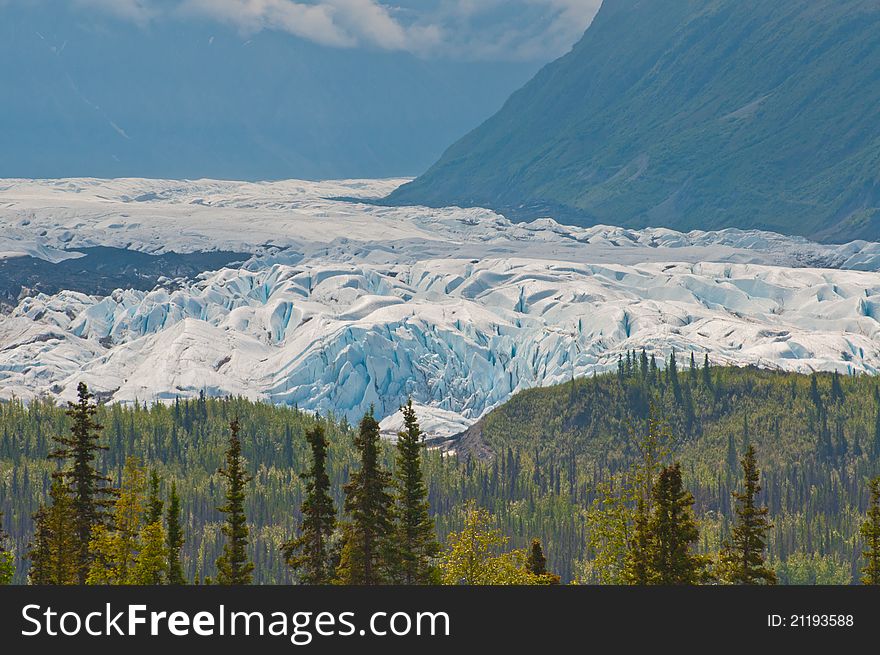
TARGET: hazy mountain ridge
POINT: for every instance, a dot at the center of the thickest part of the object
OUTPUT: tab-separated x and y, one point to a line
689	114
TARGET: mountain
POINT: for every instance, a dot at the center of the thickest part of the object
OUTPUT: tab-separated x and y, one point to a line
339	306
689	114
86	94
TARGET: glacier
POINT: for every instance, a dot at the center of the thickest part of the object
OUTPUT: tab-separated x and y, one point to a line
345	305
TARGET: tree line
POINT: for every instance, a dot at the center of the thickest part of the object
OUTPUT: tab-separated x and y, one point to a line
564	484
89	532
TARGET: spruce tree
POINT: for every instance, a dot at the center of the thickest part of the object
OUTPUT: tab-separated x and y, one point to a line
707	375
309	554
367	551
674	530
742	557
233	566
154	502
91	490
173	539
871	536
416	539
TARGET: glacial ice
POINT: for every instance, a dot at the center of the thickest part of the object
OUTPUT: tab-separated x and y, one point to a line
346	306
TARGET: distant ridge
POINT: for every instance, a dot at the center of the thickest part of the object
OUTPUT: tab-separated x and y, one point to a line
689	114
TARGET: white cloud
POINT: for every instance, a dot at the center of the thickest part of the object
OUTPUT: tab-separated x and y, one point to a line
467	29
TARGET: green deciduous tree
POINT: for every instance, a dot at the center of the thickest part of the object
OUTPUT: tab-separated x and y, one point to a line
233	565
115	547
309	554
475	556
416	540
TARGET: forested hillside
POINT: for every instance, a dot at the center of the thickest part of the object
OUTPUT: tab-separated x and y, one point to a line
542	463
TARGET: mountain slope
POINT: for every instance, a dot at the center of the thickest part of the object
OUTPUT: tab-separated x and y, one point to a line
691	114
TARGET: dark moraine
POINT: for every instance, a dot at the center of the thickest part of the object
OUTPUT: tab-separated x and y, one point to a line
103	270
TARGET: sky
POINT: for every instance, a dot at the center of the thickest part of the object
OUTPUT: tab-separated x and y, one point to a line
261	89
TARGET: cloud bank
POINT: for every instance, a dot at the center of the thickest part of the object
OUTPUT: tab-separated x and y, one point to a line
465	29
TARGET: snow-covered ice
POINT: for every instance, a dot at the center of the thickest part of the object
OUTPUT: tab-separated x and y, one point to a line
346	305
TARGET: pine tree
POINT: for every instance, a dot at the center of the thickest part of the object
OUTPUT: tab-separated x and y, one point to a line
367	552
707	375
674	531
173	539
7	560
154	502
416	540
54	549
91	490
309	554
233	566
871	536
742	557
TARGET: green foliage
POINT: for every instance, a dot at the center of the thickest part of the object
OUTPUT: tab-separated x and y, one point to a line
813	569
870	533
309	555
475	556
151	562
537	563
114	548
233	565
174	539
368	551
553	463
415	537
155	504
674	532
54	552
7	560
742	556
91	491
581	437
